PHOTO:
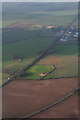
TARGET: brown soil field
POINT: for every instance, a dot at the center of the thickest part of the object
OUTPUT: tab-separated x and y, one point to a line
22	24
58	59
66	109
51	60
22	97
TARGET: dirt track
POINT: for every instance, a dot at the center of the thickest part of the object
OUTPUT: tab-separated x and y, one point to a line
23	97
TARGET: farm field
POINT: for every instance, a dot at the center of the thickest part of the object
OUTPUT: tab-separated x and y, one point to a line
14	34
59	111
26	48
62	17
14	66
65	49
21	95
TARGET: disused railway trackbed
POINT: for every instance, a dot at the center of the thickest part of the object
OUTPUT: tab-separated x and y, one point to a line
53	104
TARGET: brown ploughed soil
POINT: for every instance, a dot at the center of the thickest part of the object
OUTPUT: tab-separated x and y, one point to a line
66	109
22	97
58	59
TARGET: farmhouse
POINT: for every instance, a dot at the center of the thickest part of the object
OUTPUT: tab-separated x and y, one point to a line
42	74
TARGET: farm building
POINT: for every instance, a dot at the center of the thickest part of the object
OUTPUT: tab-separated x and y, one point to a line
42	74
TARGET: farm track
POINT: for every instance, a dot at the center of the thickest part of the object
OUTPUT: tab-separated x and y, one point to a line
53	104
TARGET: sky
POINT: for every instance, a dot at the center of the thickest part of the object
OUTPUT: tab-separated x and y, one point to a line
39	0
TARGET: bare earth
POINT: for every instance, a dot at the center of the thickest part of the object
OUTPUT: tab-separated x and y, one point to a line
22	97
58	59
67	109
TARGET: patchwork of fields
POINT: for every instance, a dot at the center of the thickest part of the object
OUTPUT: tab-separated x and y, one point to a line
39	60
42	18
63	56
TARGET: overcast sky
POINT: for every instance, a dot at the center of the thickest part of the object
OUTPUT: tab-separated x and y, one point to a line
39	0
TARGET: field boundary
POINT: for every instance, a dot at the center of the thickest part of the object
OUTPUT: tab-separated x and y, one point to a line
53	78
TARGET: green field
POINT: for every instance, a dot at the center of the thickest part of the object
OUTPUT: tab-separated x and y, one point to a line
59	18
11	35
35	71
39	13
27	48
65	49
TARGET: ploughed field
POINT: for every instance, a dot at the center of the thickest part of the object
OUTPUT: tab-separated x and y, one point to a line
22	97
67	109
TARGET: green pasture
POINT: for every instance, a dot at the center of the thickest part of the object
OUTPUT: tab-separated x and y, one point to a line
35	71
11	35
43	19
27	48
65	49
16	64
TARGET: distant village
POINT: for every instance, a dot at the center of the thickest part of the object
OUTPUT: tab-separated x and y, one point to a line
70	35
